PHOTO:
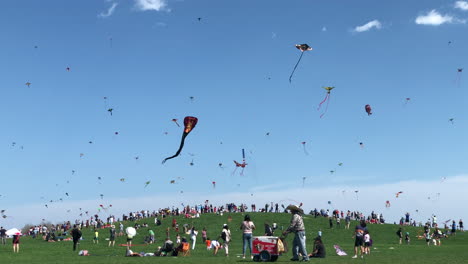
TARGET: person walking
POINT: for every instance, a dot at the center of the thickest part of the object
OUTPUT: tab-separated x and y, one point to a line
359	238
247	228
76	235
16	242
297	227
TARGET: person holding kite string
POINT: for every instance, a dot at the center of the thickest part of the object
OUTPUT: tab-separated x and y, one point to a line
298	228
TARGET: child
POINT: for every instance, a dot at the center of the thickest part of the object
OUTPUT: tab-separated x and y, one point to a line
367	243
96	236
16	242
407	238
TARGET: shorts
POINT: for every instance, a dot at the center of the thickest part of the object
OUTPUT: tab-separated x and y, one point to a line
129	239
367	244
359	241
112	238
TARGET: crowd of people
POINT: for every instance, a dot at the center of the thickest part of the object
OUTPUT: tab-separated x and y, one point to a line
188	240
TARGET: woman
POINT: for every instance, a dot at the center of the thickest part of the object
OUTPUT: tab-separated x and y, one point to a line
16	242
226	236
193	236
247	228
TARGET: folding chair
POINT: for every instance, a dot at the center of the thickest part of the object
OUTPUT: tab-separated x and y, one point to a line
185	249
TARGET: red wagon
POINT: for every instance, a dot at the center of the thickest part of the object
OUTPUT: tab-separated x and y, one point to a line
265	248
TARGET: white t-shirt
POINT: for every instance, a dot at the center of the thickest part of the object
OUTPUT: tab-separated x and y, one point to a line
366	238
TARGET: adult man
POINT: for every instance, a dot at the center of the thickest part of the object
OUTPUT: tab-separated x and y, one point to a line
76	235
297	227
359	235
3	235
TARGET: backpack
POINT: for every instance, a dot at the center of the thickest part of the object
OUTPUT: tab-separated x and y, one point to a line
223	235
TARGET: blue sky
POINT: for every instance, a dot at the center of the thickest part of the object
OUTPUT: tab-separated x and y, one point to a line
149	57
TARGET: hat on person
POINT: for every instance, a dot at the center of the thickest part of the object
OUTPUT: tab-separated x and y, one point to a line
294	208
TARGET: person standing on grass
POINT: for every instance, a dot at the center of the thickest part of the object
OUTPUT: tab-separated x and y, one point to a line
96	237
76	235
297	227
460	225
247	228
454	228
359	238
367	243
112	233
3	235
193	236
226	236
16	242
400	235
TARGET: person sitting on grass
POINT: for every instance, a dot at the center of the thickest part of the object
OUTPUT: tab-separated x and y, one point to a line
215	245
166	249
319	249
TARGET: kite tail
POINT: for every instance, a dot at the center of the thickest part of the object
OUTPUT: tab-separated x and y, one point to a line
292	73
184	135
323	101
326	107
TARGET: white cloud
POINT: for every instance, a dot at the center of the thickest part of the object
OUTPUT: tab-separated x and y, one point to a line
155	5
434	18
372	24
417	195
463	5
109	12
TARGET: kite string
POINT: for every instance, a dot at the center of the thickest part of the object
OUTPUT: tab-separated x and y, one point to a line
326	107
292	73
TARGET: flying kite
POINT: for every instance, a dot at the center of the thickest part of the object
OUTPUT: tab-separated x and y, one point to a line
220	165
214	184
451	120
28	84
147	183
368	109
189	123
302	48
175	121
191	163
398	194
81	155
122	179
102	196
459	74
240	165
326	99
172	181
361	144
303	181
356	192
90	142
304	147
407	100
387	204
110	111
68	69
116	133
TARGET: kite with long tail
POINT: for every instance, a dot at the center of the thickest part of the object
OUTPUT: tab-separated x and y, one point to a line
326	99
189	123
302	48
240	165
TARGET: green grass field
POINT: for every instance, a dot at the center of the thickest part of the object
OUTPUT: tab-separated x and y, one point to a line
384	250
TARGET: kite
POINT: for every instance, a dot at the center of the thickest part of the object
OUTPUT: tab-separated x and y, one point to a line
105	208
220	165
398	194
303	181
116	133
147	183
3	213
189	124
199	19
387	204
90	142
451	120
304	147
66	194
191	99
122	179
191	163
357	197
175	121
407	99
81	155
214	184
172	181
458	79
326	99
267	134
13	144
102	195
340	164
368	109
28	84
361	144
332	171
240	165
68	69
302	48
110	110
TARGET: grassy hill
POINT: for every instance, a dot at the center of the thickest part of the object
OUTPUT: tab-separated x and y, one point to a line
384	250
